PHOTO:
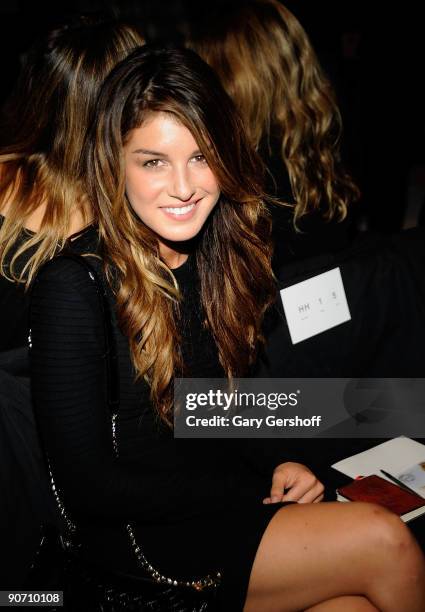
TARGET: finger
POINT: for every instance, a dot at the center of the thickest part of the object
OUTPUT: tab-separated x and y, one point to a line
312	494
297	493
269	500
279	482
305	499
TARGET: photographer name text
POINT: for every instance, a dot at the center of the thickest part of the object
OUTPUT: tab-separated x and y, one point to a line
253	423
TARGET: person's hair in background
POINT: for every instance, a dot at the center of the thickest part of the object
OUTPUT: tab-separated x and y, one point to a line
45	124
266	63
233	249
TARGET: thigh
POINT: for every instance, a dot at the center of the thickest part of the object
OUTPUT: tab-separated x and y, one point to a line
310	553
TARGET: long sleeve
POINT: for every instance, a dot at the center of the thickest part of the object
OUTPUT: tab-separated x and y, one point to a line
69	393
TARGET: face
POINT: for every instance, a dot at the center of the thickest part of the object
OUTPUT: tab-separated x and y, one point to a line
168	182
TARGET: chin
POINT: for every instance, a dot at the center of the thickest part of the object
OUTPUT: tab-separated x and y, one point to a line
183	235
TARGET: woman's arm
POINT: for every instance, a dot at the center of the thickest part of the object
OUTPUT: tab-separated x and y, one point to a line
69	393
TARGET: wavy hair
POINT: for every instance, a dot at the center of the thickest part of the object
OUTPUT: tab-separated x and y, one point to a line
48	119
267	65
233	249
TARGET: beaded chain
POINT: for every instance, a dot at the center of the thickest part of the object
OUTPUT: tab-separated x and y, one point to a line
71	527
200	584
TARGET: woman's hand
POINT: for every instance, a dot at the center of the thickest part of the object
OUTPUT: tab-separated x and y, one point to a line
300	484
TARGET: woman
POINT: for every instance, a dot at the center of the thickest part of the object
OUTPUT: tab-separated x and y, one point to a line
43	207
184	238
267	65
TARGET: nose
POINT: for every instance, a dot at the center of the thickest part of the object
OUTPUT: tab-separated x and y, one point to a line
181	186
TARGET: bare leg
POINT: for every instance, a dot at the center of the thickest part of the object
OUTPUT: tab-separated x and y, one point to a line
351	603
312	553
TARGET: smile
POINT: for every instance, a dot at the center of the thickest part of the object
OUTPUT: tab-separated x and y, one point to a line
181	213
180	210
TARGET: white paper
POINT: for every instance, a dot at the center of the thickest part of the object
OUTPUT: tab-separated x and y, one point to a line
315	305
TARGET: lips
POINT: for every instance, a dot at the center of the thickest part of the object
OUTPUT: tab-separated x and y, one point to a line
182	211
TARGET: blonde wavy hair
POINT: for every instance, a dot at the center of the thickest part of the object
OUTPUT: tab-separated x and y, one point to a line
233	250
49	117
267	65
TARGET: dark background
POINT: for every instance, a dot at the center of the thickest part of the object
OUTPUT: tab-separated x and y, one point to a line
373	54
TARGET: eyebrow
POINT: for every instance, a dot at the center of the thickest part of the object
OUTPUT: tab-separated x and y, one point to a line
149	152
160	154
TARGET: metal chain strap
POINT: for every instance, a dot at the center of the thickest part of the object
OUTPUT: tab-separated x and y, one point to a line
71	527
209	581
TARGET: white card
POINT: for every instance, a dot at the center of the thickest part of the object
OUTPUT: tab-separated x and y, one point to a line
315	305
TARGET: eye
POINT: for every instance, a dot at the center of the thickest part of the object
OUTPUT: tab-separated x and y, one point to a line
153	163
200	159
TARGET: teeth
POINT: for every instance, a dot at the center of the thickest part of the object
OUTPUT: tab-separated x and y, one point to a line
180	211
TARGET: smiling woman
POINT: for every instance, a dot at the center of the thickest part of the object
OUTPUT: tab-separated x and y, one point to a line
170	135
184	245
169	184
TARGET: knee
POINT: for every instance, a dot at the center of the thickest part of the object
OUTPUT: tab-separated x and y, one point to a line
388	532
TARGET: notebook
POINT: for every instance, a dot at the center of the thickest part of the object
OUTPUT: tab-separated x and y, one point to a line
377	490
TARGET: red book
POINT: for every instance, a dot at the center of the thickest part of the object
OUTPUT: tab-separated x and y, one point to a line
377	490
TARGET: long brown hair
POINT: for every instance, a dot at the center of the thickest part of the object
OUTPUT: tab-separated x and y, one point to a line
233	249
50	115
267	65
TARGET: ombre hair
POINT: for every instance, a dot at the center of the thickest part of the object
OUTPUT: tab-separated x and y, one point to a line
267	65
232	251
48	119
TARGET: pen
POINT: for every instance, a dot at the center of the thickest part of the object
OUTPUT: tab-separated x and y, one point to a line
399	482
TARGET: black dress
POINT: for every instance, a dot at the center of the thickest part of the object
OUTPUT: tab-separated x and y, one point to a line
197	504
24	494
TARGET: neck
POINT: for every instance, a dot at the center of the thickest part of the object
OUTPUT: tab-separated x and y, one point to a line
172	258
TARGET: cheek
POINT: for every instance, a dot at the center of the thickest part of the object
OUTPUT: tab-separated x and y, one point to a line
211	184
139	188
